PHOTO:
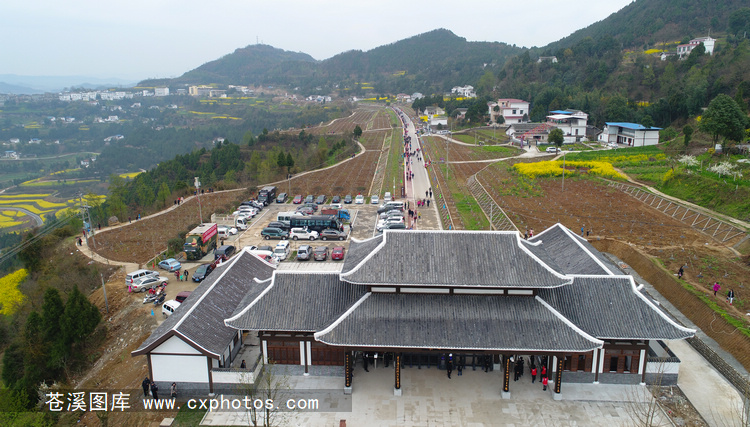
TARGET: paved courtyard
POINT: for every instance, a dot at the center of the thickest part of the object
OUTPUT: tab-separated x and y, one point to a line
431	399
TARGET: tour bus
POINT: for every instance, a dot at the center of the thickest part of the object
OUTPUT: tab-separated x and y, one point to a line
315	222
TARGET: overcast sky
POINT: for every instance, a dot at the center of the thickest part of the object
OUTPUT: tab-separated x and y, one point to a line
138	39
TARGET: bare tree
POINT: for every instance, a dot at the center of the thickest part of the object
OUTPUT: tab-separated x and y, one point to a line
263	393
644	408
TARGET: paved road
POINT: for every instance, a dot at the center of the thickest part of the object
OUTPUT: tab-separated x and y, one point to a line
35	217
416	188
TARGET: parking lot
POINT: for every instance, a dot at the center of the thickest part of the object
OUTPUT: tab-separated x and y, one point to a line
364	218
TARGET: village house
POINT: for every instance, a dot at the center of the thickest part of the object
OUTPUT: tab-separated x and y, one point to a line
571	122
464	91
684	50
631	134
512	110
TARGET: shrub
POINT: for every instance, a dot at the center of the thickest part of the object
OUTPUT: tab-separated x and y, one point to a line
10	297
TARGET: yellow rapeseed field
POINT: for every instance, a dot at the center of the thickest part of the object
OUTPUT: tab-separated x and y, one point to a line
10	297
130	175
554	168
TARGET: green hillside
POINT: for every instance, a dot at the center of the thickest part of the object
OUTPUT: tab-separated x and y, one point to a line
434	61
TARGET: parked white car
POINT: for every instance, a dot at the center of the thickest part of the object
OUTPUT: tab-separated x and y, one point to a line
225	231
387	197
360	199
303	233
374	199
384	223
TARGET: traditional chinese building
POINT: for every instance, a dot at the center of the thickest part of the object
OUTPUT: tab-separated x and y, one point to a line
413	297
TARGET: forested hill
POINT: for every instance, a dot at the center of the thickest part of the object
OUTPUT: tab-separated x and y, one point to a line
649	22
433	61
613	69
253	64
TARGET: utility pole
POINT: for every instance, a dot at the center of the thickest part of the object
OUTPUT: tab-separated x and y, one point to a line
104	289
563	180
198	195
86	217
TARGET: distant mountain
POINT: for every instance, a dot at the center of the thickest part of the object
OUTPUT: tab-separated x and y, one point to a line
17	90
435	60
254	64
40	84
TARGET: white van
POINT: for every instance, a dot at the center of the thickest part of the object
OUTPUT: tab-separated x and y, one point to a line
168	308
282	250
387	198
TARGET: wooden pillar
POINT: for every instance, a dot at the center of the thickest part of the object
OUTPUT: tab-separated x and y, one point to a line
558	374
397	372
348	369
506	374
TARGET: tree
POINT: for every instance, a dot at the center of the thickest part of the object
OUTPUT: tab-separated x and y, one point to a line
164	194
688	132
281	159
357	131
289	162
52	311
739	98
647	121
79	319
270	384
739	21
556	137
724	118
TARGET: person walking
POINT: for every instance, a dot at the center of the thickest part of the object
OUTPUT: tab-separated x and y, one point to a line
730	296
173	390
243	365
533	374
145	384
545	381
154	391
716	287
544	370
460	367
680	272
449	365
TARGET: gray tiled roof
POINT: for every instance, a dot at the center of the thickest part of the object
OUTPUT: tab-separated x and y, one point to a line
611	308
304	302
487	322
358	250
200	319
572	253
525	127
453	258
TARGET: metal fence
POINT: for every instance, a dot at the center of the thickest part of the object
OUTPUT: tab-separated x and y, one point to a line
716	228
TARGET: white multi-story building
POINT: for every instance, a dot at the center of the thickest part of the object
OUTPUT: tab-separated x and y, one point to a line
161	91
571	122
511	109
631	134
464	91
684	50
